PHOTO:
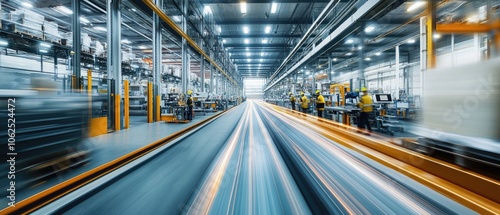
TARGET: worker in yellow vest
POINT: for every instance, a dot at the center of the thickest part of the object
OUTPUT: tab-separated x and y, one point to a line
190	105
320	103
292	100
366	105
304	102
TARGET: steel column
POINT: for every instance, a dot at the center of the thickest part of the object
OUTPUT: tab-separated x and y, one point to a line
157	59
185	48
431	28
114	57
76	43
329	70
396	74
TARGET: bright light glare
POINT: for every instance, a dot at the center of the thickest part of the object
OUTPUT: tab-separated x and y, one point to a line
247	41
411	41
369	29
264	40
64	10
268	29
208	10
27	5
349	41
99	28
246	30
274	7
243	7
415	5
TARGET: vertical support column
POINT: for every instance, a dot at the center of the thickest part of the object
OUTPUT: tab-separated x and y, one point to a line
89	91
76	44
211	74
431	28
361	49
185	56
395	84
126	104
202	58
423	52
329	70
157	61
150	103
114	57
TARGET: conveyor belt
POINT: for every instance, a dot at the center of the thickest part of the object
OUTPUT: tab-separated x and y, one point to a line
254	161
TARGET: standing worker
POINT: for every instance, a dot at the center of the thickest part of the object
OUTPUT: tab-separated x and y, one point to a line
366	105
292	100
304	101
320	103
190	105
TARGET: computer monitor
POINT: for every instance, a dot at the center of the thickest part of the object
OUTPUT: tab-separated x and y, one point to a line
383	98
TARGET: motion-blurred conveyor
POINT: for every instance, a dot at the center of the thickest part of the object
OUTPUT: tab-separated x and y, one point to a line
254	160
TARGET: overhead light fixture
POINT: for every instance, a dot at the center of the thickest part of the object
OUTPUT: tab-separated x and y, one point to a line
248	54
45	45
177	18
249	60
369	29
268	29
99	28
3	43
411	41
415	5
334	59
64	10
126	41
27	5
208	10
264	41
84	20
368	59
437	36
43	51
262	54
219	29
360	47
307	73
349	54
274	7
246	30
247	41
378	53
133	9
349	41
224	41
261	60
142	47
243	7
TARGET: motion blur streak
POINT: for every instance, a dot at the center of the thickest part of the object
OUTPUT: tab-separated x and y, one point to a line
345	184
248	176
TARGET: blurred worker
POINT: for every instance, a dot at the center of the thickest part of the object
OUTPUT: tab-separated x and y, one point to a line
320	103
190	105
304	101
292	100
366	105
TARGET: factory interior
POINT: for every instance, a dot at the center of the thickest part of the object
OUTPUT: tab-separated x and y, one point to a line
250	106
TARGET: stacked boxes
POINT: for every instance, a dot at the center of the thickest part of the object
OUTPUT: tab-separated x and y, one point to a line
51	31
86	42
26	22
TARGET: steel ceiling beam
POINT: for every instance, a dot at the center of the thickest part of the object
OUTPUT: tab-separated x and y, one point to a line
262	1
256	45
242	36
261	22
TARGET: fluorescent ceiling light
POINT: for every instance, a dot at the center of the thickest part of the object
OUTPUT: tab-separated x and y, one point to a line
268	29
142	47
208	10
349	54
415	5
3	43
369	29
224	41
378	53
368	59
64	10
264	40
45	45
247	41
99	28
84	20
349	41
126	41
243	7
249	60
437	36
246	29
219	29
334	59
43	51
27	4
411	41
274	7
307	73
360	47
261	60
248	54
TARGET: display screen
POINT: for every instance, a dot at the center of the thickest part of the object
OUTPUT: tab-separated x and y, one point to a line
383	98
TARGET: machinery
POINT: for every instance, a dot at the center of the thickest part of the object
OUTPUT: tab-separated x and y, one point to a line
199	99
385	122
342	110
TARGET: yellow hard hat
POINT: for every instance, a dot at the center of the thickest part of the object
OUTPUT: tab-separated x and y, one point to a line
357	90
318	91
301	93
189	92
290	93
363	89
